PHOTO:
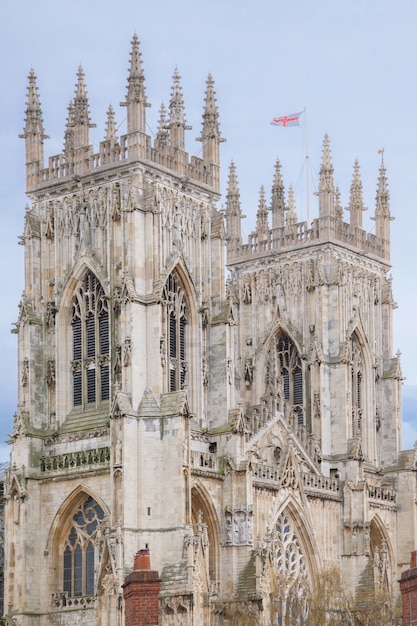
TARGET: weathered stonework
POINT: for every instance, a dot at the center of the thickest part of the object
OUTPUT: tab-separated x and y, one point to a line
246	431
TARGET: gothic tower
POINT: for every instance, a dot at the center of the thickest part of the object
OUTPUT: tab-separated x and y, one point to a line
246	431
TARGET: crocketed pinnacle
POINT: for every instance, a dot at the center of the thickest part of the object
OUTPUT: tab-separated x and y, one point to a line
177	123
110	125
33	117
162	132
233	211
262	215
176	105
356	206
69	131
382	207
278	198
81	114
211	128
326	183
232	184
382	194
136	78
292	218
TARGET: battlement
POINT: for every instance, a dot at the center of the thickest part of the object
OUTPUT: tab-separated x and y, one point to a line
168	149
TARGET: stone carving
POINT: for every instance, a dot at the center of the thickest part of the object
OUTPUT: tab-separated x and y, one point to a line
50	315
127	352
25	372
50	373
248	371
239	526
247	289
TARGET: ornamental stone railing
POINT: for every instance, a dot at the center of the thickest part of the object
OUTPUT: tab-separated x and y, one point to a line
81	459
382	494
206	461
311	482
62	600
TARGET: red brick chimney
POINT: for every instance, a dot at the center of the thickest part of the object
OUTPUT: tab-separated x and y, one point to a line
408	587
141	591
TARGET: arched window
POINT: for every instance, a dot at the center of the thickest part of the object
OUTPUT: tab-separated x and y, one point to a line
284	375
90	343
291	571
78	557
176	312
356	387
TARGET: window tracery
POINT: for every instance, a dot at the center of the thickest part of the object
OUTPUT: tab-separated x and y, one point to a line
284	376
176	320
292	572
356	386
79	549
90	343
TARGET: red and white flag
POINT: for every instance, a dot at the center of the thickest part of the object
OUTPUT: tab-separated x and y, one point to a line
287	120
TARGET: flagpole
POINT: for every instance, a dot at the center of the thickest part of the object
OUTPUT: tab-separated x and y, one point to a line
307	169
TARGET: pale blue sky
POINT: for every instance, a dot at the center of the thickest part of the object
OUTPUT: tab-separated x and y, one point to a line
351	64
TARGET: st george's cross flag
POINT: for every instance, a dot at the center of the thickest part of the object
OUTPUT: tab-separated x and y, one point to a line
287	120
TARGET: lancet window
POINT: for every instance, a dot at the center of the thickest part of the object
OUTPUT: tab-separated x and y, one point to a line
79	549
90	343
284	376
176	320
356	386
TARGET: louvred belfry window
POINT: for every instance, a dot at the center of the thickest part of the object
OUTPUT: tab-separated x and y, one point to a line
356	391
78	557
90	343
284	375
175	301
292	375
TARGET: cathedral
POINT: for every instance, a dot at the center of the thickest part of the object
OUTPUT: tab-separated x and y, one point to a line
230	407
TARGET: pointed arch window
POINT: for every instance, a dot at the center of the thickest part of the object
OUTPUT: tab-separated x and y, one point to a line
356	386
176	313
292	573
79	549
284	375
90	343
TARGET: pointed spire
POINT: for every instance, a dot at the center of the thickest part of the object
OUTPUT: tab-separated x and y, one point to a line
382	208
292	218
278	198
262	226
80	113
33	119
356	206
33	133
326	190
233	212
136	102
177	122
210	135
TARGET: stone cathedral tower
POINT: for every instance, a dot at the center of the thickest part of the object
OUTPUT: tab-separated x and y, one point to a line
245	429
